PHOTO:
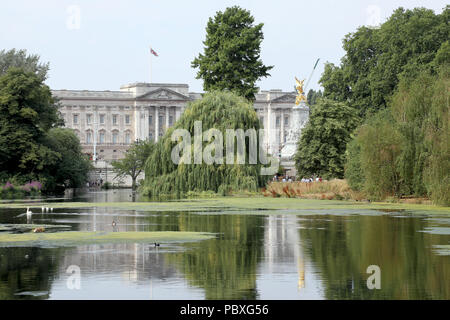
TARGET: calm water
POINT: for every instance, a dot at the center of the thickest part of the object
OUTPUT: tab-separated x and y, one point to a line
321	255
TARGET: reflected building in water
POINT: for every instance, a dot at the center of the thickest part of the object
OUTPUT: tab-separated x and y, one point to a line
282	247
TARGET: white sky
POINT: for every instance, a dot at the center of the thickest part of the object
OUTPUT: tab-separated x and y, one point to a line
109	44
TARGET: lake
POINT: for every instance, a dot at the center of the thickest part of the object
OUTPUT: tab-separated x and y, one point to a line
309	254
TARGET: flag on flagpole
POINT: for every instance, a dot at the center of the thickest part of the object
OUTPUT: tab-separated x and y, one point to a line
153	52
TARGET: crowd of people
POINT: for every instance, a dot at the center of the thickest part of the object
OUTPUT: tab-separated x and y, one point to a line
286	178
95	184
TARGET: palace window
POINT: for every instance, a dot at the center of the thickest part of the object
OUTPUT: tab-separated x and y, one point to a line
75	119
127	119
115	137
161	121
150	136
170	120
114	119
102	137
102	119
88	137
261	119
286	120
127	137
277	121
150	120
88	118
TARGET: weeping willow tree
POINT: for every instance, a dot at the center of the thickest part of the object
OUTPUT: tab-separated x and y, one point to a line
405	149
220	111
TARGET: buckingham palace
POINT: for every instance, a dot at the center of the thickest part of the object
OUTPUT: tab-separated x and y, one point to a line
112	120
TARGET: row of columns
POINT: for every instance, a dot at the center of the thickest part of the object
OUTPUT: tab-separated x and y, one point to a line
142	127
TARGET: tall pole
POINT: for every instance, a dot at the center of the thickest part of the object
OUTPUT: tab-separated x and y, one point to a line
95	137
310	76
150	64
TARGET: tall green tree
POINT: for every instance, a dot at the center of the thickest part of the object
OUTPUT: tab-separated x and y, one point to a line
375	60
231	58
313	96
72	167
27	112
20	59
405	149
322	145
32	147
133	164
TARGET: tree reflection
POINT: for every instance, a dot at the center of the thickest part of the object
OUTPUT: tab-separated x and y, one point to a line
27	270
224	267
343	247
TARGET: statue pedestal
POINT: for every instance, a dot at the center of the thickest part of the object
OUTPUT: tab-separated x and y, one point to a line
300	116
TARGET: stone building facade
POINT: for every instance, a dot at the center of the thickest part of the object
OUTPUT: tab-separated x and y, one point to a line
114	119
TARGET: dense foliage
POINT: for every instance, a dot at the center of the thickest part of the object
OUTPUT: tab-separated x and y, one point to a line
20	59
231	58
72	166
395	79
218	110
27	112
133	164
321	148
404	46
313	97
31	146
405	150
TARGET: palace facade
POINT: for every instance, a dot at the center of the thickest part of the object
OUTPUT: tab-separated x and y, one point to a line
112	120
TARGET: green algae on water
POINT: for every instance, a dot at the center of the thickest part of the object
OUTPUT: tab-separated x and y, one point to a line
78	238
246	204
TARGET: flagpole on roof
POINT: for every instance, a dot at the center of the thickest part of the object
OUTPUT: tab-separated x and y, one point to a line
150	64
152	52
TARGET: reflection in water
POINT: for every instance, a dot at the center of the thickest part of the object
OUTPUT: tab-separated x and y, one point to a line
24	272
224	267
252	257
282	247
113	195
343	247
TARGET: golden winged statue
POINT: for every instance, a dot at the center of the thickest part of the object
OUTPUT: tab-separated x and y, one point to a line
300	92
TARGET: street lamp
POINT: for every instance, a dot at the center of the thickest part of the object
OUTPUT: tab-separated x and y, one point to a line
95	136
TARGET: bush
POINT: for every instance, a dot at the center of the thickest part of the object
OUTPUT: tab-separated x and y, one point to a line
30	189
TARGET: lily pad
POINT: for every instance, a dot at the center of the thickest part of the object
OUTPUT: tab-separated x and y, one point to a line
77	238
